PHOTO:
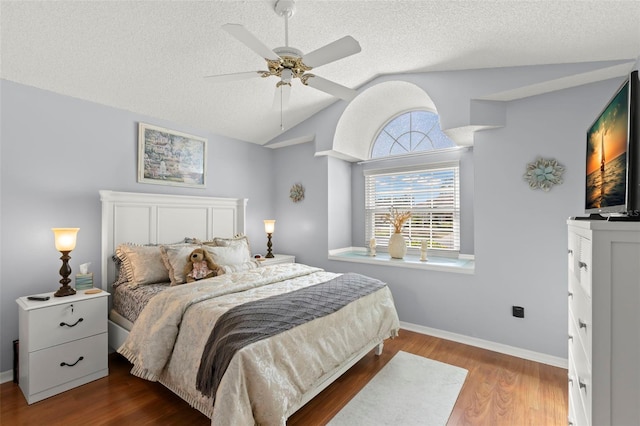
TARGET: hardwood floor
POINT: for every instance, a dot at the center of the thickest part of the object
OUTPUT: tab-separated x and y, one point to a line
499	390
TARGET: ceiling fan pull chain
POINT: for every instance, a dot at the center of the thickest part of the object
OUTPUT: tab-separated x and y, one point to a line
281	121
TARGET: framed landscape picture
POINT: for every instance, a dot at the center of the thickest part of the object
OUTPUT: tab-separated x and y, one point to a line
167	157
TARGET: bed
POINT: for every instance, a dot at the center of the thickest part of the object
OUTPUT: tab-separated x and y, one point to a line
249	346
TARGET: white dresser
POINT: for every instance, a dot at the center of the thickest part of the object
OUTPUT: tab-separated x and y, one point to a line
63	343
604	323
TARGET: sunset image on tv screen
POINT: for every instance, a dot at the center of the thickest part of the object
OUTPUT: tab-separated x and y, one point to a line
607	154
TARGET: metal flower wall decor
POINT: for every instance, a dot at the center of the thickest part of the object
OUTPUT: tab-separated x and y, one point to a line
297	193
544	173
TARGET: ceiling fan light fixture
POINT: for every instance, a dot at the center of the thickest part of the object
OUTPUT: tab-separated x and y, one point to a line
286	76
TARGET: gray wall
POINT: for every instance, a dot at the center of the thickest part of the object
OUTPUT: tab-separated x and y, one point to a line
56	153
519	234
301	228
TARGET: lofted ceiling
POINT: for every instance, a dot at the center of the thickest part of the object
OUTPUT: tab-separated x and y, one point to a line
150	57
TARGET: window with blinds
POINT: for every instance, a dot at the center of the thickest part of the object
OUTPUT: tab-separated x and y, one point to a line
431	193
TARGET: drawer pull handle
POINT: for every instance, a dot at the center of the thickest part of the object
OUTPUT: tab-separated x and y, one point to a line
570	251
571	294
62	364
582	265
583	385
571	337
62	324
582	324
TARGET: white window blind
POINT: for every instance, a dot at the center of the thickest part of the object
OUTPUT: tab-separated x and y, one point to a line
431	193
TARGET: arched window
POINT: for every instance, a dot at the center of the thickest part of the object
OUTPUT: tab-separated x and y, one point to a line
429	190
414	131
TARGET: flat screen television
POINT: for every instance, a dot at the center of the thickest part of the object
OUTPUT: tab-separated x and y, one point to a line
612	184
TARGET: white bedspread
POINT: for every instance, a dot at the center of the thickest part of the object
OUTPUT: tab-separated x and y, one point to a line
265	380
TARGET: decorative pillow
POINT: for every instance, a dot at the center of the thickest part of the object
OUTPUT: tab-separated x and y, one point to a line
175	258
235	254
141	264
227	269
120	273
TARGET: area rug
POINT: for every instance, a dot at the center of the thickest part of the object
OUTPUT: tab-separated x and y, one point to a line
409	390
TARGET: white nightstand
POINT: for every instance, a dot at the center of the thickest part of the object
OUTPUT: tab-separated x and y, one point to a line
63	343
278	258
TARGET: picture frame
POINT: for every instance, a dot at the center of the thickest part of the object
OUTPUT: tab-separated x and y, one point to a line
169	157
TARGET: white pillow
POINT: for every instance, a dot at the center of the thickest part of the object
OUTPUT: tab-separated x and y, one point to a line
234	254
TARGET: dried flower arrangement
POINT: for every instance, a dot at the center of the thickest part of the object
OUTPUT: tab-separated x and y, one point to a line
397	218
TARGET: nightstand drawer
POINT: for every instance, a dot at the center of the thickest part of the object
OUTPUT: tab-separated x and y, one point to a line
60	364
65	322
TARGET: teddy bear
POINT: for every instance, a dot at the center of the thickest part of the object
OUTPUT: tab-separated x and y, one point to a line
199	265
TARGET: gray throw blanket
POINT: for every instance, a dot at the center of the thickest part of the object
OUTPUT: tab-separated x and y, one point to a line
251	322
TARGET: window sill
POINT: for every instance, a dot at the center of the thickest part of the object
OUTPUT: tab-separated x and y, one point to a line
461	265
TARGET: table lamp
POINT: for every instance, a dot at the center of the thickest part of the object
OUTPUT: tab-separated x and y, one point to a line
269	227
65	239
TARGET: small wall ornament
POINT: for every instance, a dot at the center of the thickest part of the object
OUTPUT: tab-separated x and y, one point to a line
544	173
296	193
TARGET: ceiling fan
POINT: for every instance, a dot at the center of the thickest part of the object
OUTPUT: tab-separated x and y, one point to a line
288	63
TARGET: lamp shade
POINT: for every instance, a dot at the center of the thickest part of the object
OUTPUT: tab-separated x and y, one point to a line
65	238
269	226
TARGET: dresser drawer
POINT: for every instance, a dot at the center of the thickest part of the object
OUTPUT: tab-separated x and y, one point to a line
63	363
584	265
581	313
66	322
573	252
583	383
573	333
577	412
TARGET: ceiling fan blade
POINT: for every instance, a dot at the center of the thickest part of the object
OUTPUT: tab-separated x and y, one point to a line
223	78
282	93
346	46
331	88
251	41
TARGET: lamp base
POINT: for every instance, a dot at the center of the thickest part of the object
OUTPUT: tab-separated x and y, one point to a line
269	245
65	290
65	271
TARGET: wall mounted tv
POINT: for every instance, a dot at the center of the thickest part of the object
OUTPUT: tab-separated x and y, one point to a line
613	156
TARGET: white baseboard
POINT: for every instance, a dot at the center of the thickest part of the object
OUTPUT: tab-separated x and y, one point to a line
485	344
6	376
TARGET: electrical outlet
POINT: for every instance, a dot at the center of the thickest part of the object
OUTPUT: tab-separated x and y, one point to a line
517	311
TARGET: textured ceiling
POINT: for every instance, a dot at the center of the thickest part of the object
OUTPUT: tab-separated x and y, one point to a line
150	57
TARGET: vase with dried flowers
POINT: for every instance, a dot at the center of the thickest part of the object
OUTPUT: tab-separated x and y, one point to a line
397	244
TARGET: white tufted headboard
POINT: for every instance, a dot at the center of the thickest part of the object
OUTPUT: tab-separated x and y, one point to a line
129	217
